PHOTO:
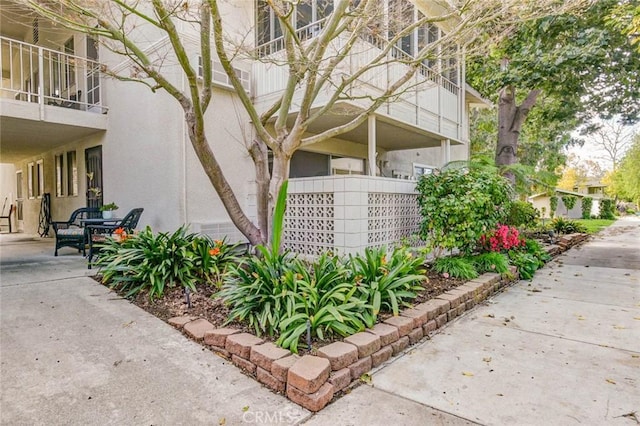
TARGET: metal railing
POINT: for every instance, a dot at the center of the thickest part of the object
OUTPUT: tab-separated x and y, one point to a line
312	30
40	75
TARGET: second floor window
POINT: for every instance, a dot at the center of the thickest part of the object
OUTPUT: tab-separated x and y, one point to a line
306	12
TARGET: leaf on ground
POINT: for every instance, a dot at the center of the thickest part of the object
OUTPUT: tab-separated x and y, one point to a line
128	324
222	421
619	327
366	378
487	359
635	356
613	382
490	316
467	374
245	408
636	318
580	318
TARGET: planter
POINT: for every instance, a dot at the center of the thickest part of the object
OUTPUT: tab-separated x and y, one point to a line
107	214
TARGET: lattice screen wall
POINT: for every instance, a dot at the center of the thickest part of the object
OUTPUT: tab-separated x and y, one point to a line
392	217
309	223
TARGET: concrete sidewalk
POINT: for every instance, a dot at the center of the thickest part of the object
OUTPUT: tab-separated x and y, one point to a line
562	349
73	352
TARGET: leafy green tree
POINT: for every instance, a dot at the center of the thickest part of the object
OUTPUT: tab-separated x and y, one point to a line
625	181
587	202
539	63
553	205
569	202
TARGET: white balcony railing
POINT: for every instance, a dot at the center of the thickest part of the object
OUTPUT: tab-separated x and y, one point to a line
36	74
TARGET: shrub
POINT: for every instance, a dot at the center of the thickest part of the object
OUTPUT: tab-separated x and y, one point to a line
607	209
148	261
587	203
501	239
521	213
322	297
455	267
534	248
386	281
490	262
569	202
553	205
526	263
458	206
567	226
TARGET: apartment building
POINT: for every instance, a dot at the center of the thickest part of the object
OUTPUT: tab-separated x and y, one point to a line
85	138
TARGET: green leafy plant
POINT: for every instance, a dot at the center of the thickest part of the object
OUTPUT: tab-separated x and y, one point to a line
534	248
387	280
521	213
526	263
569	202
459	205
322	297
567	226
154	262
109	207
607	209
587	203
490	262
553	205
455	267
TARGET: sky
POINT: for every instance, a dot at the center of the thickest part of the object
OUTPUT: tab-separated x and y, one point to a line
592	150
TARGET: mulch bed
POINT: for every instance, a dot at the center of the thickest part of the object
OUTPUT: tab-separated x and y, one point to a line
205	305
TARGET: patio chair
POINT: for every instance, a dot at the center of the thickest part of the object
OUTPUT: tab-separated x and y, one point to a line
99	233
72	233
8	215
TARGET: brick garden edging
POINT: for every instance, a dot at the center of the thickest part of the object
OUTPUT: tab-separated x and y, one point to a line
312	380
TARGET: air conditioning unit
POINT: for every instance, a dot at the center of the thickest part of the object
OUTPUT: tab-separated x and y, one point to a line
219	76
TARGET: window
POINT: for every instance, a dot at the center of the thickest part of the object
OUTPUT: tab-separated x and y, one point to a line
428	34
72	174
60	175
19	185
306	12
401	14
66	174
39	181
30	173
421	169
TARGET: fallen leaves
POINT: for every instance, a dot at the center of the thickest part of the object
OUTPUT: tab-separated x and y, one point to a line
467	374
613	382
619	327
486	359
366	378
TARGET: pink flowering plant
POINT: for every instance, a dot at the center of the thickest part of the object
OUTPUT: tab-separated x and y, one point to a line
503	238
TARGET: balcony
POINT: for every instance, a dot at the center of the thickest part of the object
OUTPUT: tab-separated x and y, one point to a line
47	98
432	105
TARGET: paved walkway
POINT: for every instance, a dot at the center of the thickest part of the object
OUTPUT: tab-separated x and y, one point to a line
562	349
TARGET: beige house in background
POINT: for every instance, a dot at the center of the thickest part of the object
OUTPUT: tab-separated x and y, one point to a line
593	189
86	139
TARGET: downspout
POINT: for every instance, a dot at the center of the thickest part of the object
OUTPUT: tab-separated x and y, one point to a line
183	149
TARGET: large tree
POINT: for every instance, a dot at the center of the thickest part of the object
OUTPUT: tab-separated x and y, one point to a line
314	60
580	63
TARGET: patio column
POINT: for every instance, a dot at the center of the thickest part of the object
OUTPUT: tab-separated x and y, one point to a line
371	144
445	151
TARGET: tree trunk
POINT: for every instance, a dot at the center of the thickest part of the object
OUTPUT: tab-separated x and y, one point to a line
280	173
216	177
511	117
259	154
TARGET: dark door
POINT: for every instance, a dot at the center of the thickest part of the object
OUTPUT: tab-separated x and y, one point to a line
93	162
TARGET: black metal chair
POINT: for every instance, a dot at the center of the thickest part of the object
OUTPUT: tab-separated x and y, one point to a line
99	233
72	232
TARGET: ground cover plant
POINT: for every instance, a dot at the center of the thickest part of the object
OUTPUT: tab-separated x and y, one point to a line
592	226
152	262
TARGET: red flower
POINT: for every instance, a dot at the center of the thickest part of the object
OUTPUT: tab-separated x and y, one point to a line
119	231
214	251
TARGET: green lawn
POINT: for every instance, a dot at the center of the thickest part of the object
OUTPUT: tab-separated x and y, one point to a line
595	225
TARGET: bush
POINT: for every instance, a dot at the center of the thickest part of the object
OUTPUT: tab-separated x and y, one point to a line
553	205
153	262
490	262
385	282
455	267
569	202
567	226
526	263
501	239
587	203
521	213
534	248
607	209
458	206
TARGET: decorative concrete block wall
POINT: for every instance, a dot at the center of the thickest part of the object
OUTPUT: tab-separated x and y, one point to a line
345	214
